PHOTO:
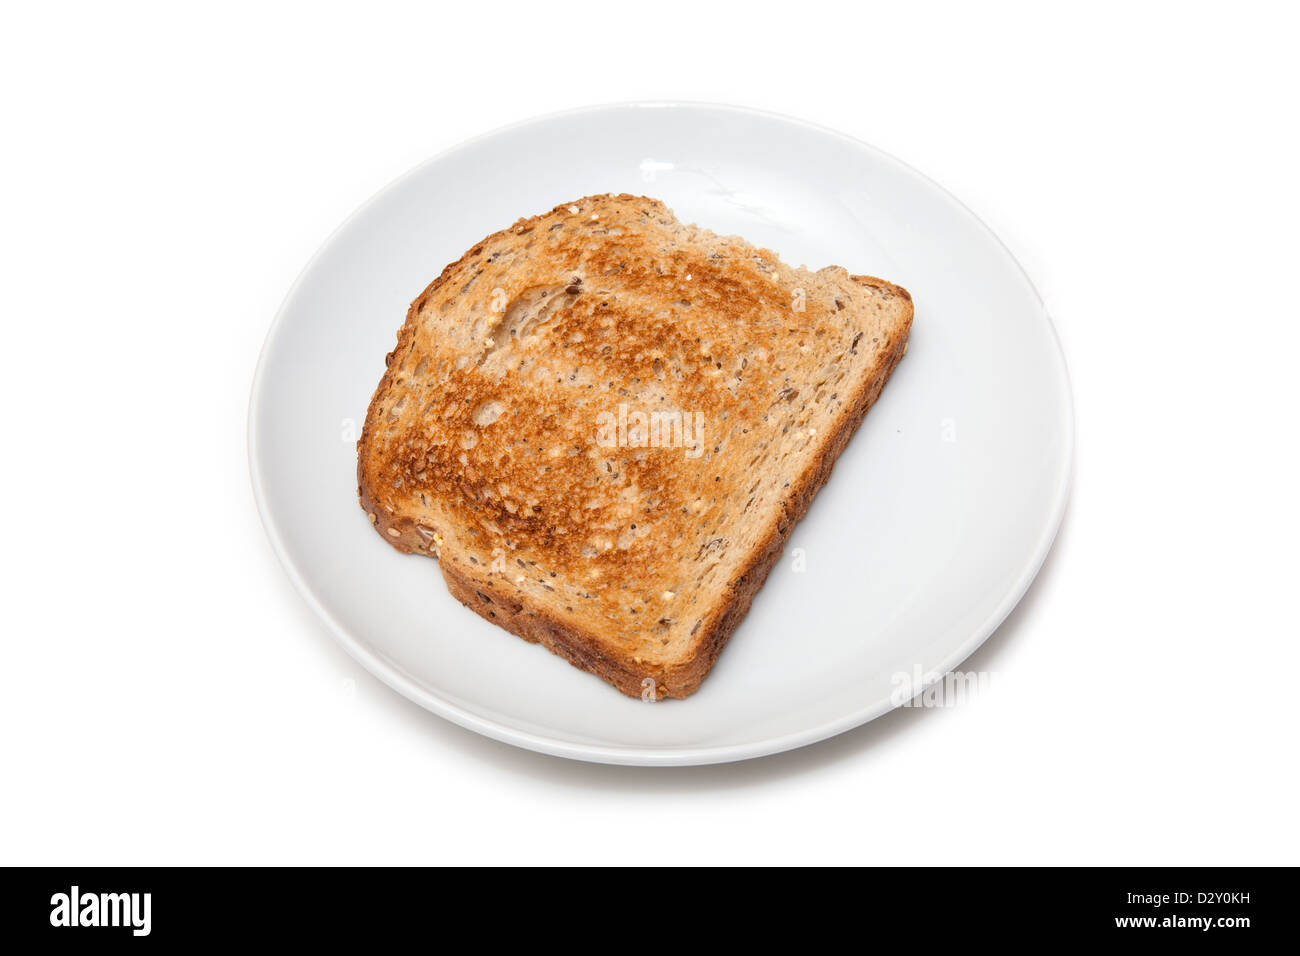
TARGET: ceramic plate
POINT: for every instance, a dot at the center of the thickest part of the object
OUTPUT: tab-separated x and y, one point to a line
934	523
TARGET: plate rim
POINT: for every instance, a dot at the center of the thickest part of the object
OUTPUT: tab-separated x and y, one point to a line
408	687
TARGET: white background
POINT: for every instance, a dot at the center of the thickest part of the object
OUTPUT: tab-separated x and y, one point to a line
166	696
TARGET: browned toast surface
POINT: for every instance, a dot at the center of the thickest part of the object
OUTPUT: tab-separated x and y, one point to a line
605	423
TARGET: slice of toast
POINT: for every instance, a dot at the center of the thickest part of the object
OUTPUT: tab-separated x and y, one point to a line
604	424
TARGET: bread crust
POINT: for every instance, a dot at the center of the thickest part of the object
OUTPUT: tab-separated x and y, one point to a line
585	649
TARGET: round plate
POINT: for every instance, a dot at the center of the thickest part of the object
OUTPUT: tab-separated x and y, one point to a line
936	519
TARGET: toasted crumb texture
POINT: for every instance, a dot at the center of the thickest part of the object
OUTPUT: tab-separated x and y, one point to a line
604	424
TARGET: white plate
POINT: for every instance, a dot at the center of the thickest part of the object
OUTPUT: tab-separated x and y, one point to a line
935	521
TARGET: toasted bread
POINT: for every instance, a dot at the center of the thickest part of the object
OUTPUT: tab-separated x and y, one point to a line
604	424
